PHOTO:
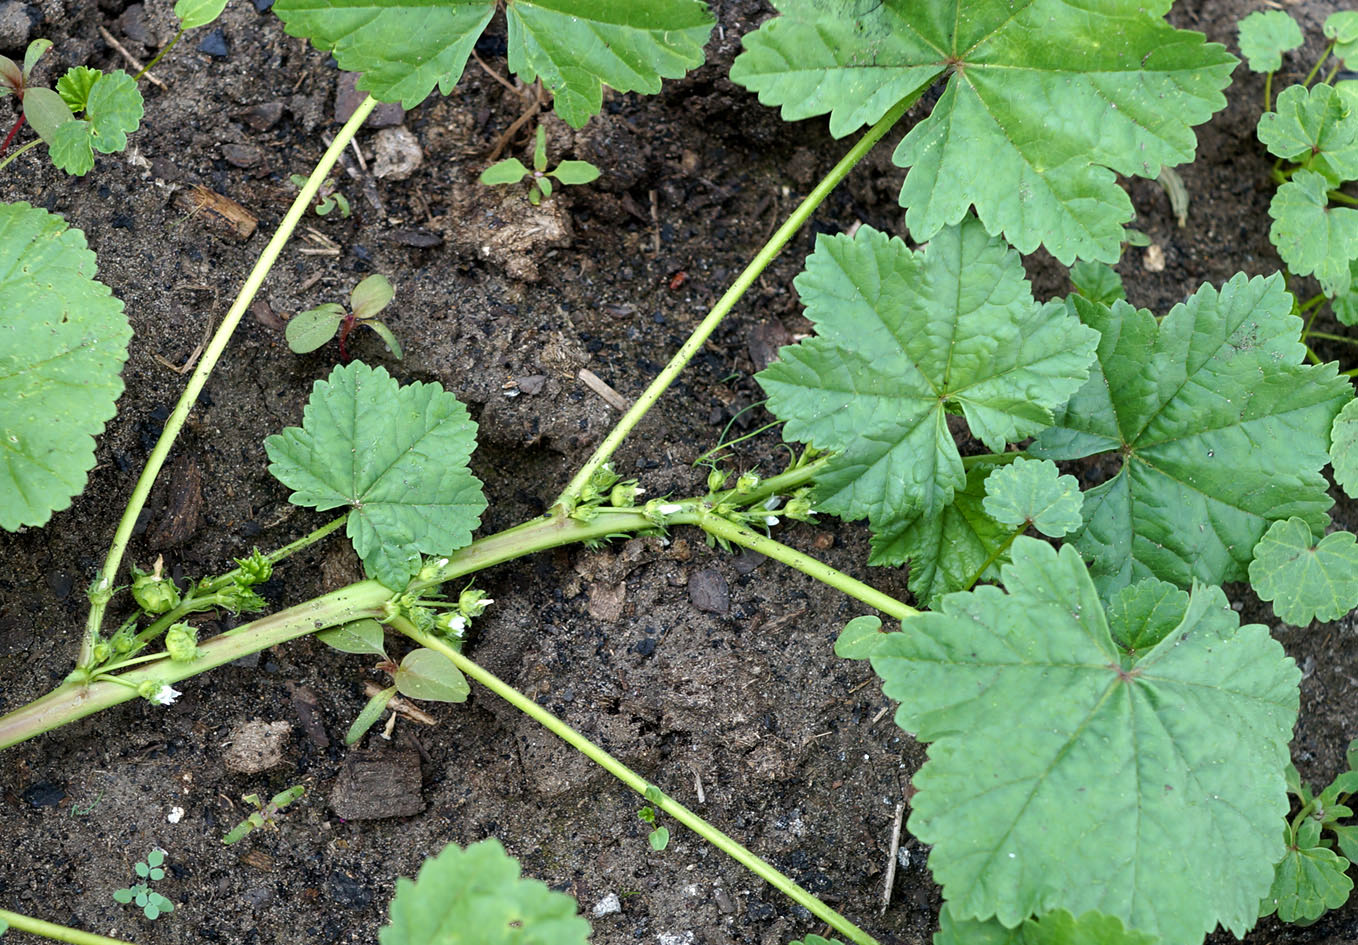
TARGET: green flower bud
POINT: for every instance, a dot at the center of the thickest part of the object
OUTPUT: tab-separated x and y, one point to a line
716	480
747	483
473	603
255	569
430	572
123	640
451	624
153	593
239	599
624	494
101	653
799	509
181	642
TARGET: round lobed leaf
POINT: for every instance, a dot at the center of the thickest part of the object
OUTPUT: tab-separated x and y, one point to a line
114	110
1315	127
1310	235
72	147
1033	491
1344	448
1303	579
397	456
1265	35
1309	881
1342	27
1053	928
477	897
63	342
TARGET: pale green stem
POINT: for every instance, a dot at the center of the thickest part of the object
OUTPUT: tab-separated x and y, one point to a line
1268	92
14	154
1306	82
159	56
61	933
1342	197
740	535
755	864
102	590
995	556
273	557
1331	337
566	501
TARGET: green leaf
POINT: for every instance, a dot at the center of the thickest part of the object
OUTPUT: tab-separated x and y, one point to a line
948	550
195	13
1345	305
72	147
65	342
46	112
859	638
508	171
114	110
476	897
406	47
1044	101
370	296
1307	882
659	838
1316	128
307	331
575	172
1347	835
1265	35
357	636
904	338
424	674
367	718
1218	429
74	87
1305	580
397	456
1142	614
385	333
1342	27
1053	928
33	53
1066	772
155	858
540	149
1311	236
1033	492
577	46
123	896
816	940
543	184
1097	281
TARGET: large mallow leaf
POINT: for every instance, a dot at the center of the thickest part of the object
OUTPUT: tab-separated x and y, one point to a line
1219	429
63	342
904	339
1044	101
395	456
406	47
1069	771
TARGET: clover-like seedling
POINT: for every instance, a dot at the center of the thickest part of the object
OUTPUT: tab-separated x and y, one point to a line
308	330
659	837
512	171
264	814
152	903
328	197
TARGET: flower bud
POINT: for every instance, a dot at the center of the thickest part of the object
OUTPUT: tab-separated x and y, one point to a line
747	483
429	574
799	509
123	640
716	480
153	593
102	651
157	692
255	569
473	603
181	642
239	599
624	494
451	624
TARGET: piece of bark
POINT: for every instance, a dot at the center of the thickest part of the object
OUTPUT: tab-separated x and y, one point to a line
220	214
376	784
183	507
308	708
708	591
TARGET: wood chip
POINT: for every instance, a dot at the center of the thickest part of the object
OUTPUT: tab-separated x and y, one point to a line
708	591
376	784
218	213
597	384
183	512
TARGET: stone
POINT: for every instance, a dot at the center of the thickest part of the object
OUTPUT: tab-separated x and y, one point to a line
256	746
396	154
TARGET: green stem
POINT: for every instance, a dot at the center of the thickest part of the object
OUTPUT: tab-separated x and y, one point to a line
1329	337
740	535
569	496
18	151
273	557
102	591
998	459
1268	92
1306	82
1309	304
160	55
1342	197
1329	76
995	556
1350	373
755	864
61	933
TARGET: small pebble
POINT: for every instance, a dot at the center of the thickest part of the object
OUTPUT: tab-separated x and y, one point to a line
263	6
214	44
397	154
1154	260
608	905
16	25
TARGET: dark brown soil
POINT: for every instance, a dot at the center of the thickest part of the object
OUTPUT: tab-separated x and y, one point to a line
791	750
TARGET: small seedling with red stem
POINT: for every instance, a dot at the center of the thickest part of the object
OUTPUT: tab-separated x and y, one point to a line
308	330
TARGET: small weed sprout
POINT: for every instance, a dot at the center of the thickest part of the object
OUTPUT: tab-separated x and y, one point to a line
512	171
308	330
328	198
150	870
264	814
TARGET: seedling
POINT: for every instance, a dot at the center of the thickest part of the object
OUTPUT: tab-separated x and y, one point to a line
152	903
659	837
307	331
264	814
328	197
191	14
512	171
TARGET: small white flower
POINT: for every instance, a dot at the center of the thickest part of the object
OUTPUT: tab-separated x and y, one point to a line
772	502
176	815
669	508
166	695
458	623
770	520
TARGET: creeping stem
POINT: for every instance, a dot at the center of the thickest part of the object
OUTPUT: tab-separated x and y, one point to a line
102	590
571	494
755	864
61	933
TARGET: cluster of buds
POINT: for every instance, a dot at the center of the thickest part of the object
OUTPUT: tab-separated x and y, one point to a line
605	486
255	569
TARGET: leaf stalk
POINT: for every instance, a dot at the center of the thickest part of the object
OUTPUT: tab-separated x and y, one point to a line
60	933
